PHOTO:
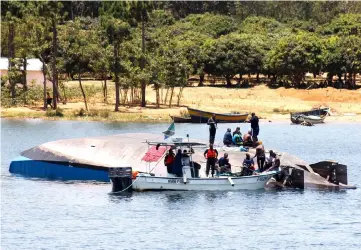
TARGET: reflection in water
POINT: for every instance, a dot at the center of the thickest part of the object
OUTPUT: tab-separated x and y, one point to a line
118	197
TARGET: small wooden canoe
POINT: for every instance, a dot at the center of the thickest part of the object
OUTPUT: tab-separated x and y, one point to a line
178	119
199	116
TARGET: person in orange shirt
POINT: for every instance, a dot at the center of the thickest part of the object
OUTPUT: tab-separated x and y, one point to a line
211	155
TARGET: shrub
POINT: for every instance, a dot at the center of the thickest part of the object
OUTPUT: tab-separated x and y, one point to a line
53	113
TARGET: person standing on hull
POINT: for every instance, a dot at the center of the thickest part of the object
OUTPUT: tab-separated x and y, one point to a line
212	122
255	128
211	155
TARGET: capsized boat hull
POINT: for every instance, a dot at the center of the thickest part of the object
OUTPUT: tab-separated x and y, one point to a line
199	116
254	182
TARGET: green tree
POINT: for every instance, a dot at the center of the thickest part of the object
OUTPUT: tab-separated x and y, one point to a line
79	45
295	55
11	14
117	31
233	54
51	10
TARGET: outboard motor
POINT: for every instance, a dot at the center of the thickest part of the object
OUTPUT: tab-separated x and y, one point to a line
121	179
332	171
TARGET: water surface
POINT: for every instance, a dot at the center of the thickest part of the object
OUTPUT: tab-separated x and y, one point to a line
41	214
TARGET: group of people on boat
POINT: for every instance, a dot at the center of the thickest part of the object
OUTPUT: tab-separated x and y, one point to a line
176	162
248	139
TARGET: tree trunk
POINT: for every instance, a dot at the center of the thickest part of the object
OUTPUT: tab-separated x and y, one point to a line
201	79
166	96
257	79
157	97
142	62
11	66
25	64
161	94
329	79
116	69
55	75
171	97
82	91
180	95
105	90
297	78
25	86
44	84
228	80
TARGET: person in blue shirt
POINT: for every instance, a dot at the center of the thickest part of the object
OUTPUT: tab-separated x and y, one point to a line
224	165
212	122
255	127
227	139
248	165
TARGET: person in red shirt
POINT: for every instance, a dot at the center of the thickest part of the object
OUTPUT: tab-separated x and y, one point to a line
169	160
211	155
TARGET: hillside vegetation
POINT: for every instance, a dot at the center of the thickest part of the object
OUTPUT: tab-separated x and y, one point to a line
143	49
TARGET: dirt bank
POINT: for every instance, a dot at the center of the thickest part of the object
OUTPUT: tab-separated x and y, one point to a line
270	104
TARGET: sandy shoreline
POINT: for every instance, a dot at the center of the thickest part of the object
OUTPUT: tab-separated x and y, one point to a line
268	104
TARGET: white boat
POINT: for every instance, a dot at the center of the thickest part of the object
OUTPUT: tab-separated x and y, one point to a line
313	119
146	182
125	178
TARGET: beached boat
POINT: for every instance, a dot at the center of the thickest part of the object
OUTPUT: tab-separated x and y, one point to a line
298	119
199	116
179	119
313	116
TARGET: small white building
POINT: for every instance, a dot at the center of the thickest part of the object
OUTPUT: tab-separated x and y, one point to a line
34	72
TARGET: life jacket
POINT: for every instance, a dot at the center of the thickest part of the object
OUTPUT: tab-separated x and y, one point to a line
168	160
211	153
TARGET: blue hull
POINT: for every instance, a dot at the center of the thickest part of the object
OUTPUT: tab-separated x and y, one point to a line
51	170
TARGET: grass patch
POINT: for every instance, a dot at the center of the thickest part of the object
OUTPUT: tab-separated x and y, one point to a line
281	111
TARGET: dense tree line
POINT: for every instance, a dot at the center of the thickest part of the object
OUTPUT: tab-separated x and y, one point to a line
160	44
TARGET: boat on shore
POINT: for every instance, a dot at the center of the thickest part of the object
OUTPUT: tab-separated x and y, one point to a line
312	119
179	119
200	116
315	116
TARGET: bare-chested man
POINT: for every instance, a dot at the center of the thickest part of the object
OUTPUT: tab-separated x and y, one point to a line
247	139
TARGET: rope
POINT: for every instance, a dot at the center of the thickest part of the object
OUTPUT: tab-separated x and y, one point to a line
125	189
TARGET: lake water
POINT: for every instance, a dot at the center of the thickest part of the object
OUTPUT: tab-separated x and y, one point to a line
40	214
